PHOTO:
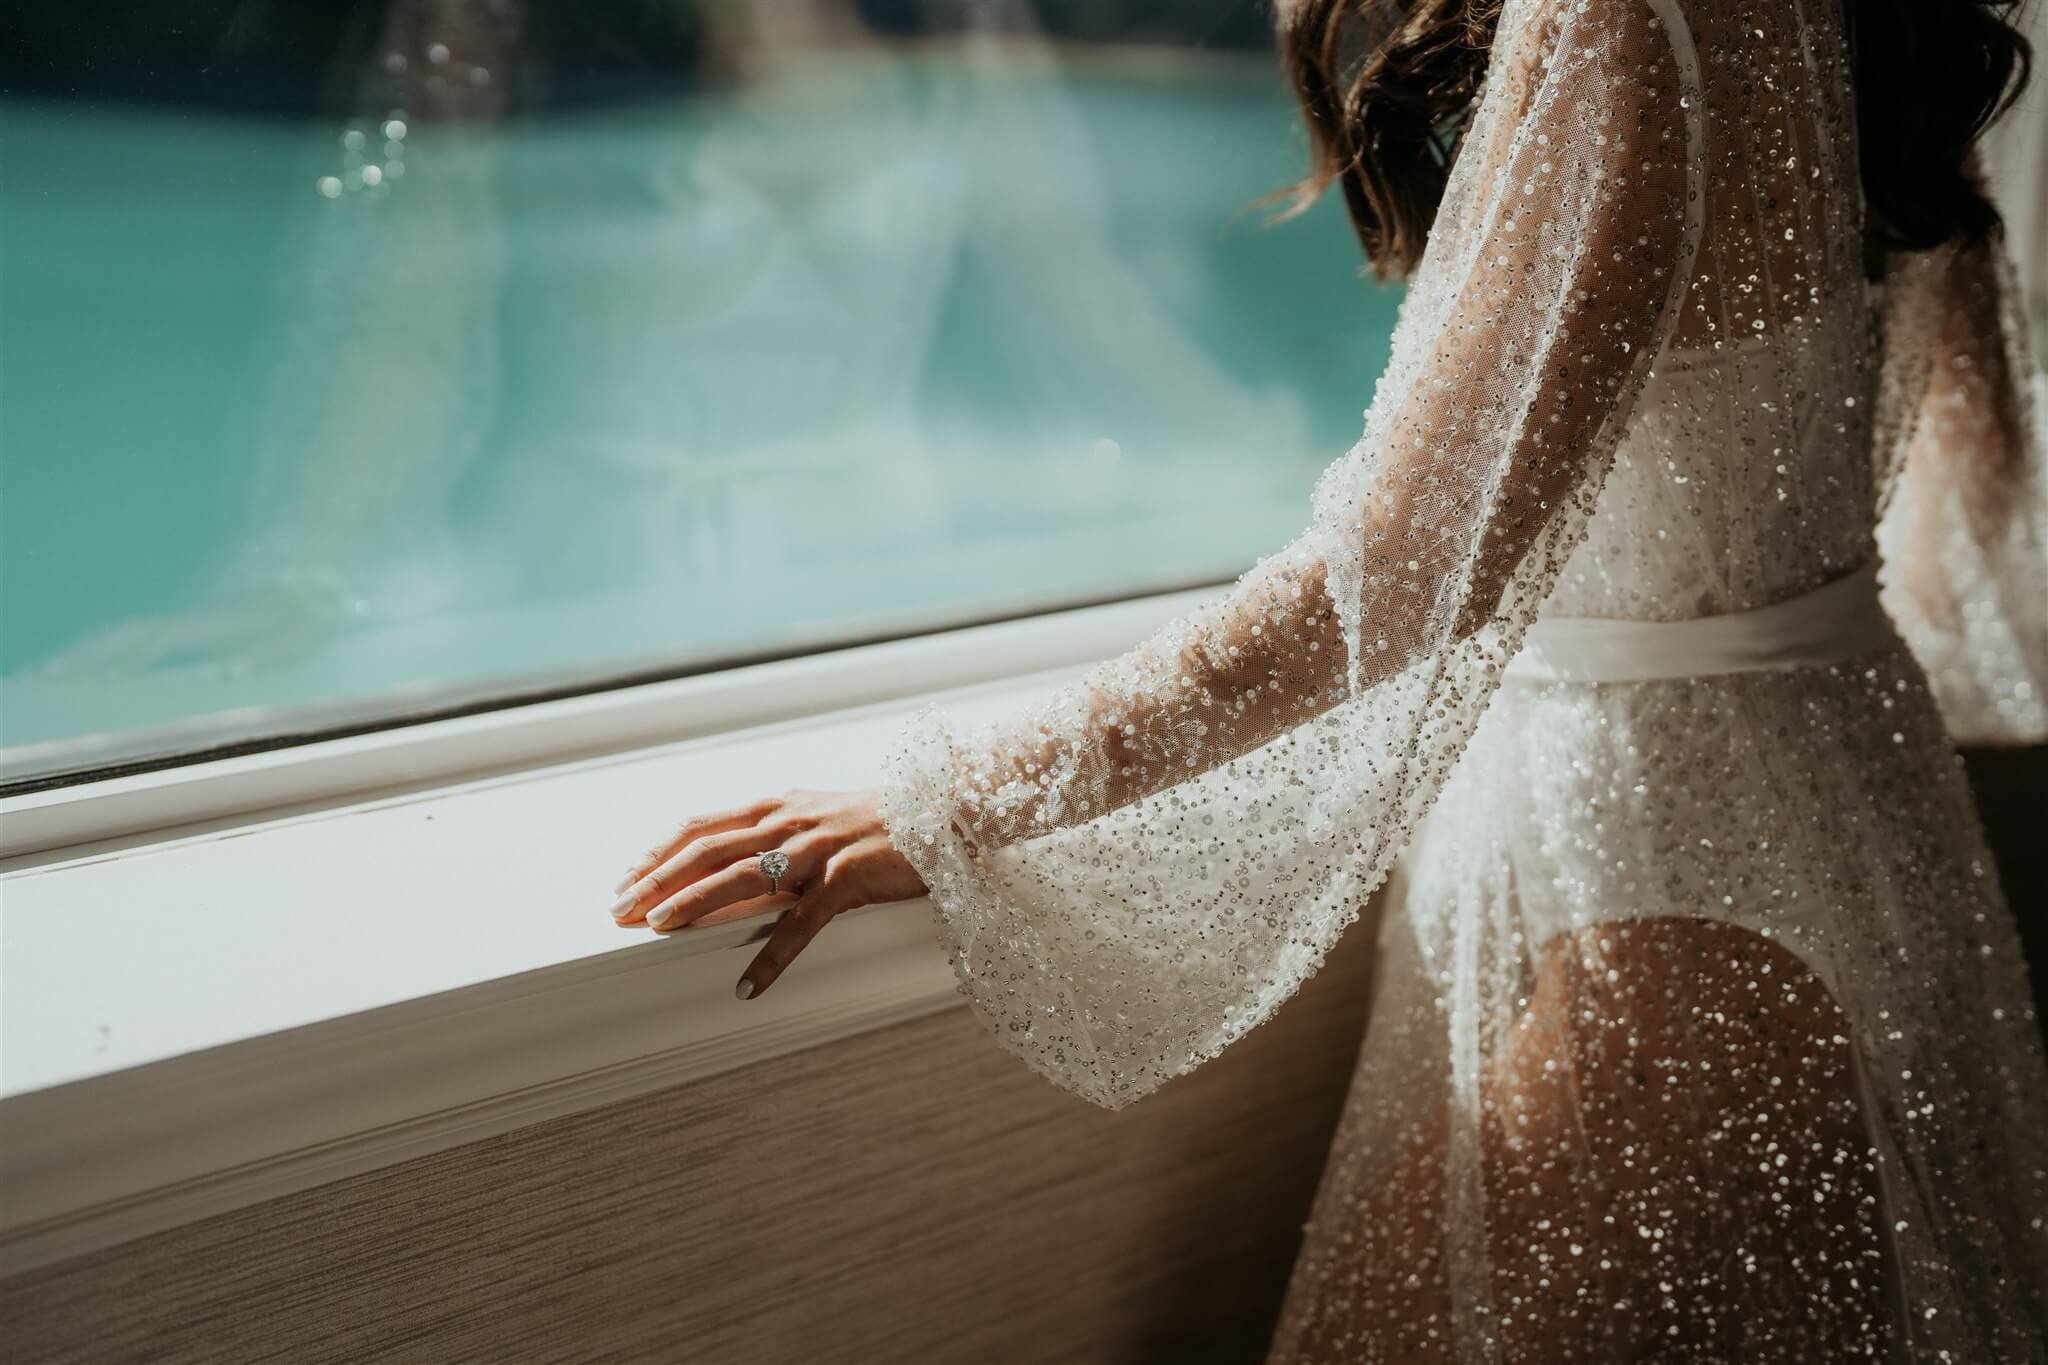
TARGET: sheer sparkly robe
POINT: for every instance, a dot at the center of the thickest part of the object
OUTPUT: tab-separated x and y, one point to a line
1639	375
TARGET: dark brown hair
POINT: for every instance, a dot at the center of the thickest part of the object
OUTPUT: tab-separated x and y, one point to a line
1385	88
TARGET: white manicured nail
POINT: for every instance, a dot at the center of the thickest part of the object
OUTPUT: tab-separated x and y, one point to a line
744	990
623	906
659	915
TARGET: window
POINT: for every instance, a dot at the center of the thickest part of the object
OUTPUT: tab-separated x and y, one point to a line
365	361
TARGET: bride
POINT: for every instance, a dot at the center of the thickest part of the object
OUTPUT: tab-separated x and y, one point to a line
1695	517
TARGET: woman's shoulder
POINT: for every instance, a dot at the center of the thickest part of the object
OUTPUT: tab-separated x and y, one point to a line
1622	49
1532	33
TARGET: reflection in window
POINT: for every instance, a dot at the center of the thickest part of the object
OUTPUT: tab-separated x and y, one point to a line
361	359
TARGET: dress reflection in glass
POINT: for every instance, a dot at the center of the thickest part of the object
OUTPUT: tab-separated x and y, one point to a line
1700	1028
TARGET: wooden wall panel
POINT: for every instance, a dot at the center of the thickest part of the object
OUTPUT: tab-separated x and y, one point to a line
913	1195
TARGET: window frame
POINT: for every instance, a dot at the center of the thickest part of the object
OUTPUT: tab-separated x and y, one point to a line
290	774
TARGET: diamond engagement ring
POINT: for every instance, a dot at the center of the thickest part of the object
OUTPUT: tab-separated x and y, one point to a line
774	865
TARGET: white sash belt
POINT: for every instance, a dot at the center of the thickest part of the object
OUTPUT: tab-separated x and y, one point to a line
1838	621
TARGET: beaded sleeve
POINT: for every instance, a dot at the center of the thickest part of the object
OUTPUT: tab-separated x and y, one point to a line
1143	865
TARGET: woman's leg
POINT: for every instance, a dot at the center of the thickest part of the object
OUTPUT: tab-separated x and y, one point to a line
1676	1167
1677	1162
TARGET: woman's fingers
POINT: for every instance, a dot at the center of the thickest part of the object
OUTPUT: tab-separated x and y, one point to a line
697	859
702	826
793	933
738	881
839	854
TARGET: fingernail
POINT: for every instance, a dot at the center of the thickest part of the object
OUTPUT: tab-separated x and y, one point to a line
745	989
623	906
659	915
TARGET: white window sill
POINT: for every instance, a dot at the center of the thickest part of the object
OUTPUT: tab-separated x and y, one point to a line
315	980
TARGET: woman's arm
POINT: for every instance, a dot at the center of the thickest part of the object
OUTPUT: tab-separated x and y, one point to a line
1964	534
1137	869
1135	872
1559	288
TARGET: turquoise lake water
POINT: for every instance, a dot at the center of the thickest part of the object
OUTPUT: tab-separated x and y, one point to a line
891	344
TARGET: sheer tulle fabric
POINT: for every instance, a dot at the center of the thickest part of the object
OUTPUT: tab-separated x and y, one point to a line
1637	375
1345	672
1965	528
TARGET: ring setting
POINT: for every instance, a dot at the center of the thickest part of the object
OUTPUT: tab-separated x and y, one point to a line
774	865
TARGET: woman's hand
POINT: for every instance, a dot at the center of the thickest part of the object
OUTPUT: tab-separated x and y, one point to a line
707	872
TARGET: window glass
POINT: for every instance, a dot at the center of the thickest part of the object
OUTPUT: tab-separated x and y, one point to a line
364	360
